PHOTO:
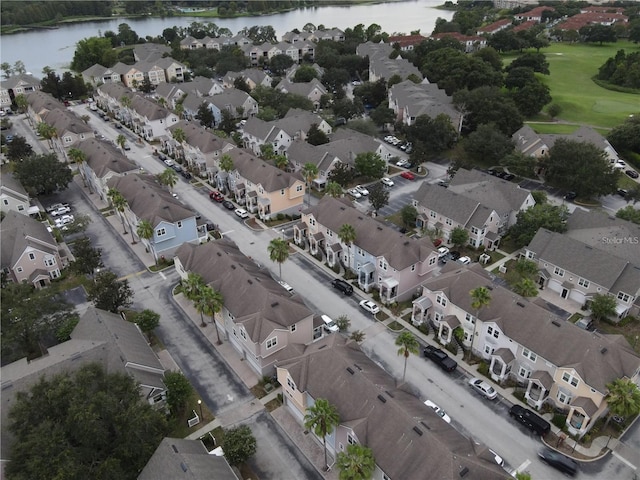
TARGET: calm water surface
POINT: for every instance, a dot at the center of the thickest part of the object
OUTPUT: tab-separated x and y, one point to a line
55	48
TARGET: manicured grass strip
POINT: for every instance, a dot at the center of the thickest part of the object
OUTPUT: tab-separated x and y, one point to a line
557	128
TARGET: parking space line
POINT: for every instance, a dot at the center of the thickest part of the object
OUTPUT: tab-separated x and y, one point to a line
132	275
624	460
524	465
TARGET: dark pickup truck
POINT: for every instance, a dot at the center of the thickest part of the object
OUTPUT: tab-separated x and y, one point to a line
343	286
530	419
442	359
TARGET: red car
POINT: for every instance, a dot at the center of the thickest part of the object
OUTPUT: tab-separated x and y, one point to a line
408	175
216	197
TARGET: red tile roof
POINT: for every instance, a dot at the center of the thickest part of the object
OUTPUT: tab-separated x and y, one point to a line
406	40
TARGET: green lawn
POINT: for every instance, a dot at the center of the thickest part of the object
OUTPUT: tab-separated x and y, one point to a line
582	101
557	128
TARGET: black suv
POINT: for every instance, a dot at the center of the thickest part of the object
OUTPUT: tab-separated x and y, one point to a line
442	359
557	460
343	286
530	420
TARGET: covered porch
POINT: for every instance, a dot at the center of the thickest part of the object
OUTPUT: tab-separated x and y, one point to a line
501	362
446	327
366	276
300	233
540	383
388	289
581	416
420	311
316	243
333	254
264	205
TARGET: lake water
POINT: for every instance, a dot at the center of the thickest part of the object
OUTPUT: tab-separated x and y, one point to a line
55	48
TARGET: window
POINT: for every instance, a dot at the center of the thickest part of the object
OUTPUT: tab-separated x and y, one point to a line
432	214
488	349
351	440
5	201
160	232
20	208
272	342
413	267
623	297
50	262
563	398
360	252
584	283
448	221
19	269
529	354
524	373
290	384
437	316
470	318
293	328
179	224
32	256
474	230
570	379
299	188
243	333
383	265
441	300
558	271
432	261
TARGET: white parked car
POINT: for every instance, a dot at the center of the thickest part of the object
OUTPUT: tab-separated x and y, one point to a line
401	163
483	387
354	193
55	206
64	220
242	213
169	163
442	251
438	410
464	260
362	190
387	182
286	286
369	306
60	211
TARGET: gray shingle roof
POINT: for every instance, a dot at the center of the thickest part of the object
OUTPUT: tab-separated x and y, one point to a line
66	122
257	171
303	152
533	327
9	182
495	193
526	140
254	299
103	157
176	458
569	254
40	101
406	437
465	211
200	138
301	88
372	236
15	80
148	199
424	99
19	232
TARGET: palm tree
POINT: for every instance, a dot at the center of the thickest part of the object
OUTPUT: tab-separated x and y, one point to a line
310	173
408	345
47	131
280	161
120	204
333	189
78	157
526	287
121	140
179	136
168	177
278	252
226	165
201	306
357	463
357	336
347	234
23	105
623	398
214	301
145	232
162	102
192	285
322	417
179	110
480	298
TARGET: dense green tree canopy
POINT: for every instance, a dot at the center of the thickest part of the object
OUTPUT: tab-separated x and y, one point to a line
238	444
487	105
622	70
487	145
109	293
43	174
92	50
627	135
529	221
580	167
90	424
370	165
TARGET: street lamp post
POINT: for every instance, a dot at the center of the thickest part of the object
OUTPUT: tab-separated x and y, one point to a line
200	405
282	231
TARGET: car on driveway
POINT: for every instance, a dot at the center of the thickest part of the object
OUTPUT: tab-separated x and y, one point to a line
558	461
216	197
60	211
228	205
55	206
408	175
241	212
369	306
464	260
483	388
443	360
441	413
387	182
64	220
632	173
354	193
401	163
362	190
442	251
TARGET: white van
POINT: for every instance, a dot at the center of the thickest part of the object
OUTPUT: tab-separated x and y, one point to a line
329	325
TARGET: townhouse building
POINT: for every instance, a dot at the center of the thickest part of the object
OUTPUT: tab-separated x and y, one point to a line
406	437
99	337
381	66
610	271
505	198
409	100
39	103
406	42
29	251
201	148
237	102
103	161
150	51
173	224
495	27
559	363
13	196
262	321
259	186
312	90
382	258
347	144
69	128
252	77
442	211
535	14
300	153
97	75
471	43
20	84
281	133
